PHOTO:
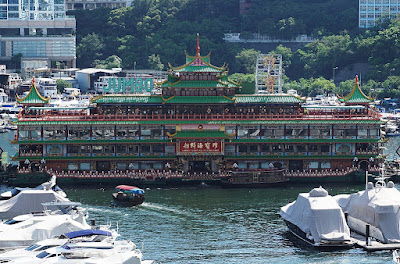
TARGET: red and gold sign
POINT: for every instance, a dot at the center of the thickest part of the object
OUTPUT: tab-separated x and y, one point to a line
193	147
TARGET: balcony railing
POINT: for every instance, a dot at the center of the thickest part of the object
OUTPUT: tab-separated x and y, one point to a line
312	115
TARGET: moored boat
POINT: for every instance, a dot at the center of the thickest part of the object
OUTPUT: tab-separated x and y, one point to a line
318	220
24	230
374	212
265	178
128	195
87	235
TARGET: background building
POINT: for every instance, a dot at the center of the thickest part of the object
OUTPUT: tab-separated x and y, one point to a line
36	32
93	4
372	10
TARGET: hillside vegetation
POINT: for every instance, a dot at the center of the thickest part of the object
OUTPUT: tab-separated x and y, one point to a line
153	33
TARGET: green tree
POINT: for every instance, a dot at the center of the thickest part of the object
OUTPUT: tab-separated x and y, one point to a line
154	62
61	84
89	49
288	28
247	58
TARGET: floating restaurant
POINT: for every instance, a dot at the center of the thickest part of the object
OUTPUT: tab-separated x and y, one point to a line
199	128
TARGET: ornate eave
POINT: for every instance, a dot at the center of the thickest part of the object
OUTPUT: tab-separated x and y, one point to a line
33	97
356	96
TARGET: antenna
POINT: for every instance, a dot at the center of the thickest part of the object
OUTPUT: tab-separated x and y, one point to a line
198	45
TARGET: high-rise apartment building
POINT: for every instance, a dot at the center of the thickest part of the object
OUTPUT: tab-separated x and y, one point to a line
39	30
372	10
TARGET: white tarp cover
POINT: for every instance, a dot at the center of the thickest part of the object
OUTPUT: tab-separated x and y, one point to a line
39	228
378	207
27	201
317	214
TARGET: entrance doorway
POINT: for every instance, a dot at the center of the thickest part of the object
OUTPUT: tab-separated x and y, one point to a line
199	166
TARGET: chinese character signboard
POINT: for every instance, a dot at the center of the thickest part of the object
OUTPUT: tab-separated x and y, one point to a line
200	147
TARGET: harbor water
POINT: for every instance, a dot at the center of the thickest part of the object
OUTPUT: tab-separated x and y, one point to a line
213	225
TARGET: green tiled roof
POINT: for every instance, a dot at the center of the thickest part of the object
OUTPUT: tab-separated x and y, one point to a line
265	99
198	84
219	122
157	99
203	68
200	134
33	97
356	96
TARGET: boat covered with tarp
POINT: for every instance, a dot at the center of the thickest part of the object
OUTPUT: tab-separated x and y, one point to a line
128	195
377	206
317	219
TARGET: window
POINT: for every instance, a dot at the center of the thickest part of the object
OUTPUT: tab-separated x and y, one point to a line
121	149
265	148
325	148
85	165
230	149
145	149
97	149
73	149
121	166
253	148
242	148
72	166
158	148
313	148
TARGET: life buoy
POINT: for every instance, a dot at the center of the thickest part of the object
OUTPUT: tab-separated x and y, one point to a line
230	180
226	110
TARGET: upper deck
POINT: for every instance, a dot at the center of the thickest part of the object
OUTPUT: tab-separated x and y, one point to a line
159	114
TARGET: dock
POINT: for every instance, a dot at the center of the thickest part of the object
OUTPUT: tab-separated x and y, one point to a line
360	241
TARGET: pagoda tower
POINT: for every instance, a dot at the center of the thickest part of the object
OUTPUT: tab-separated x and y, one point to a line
198	77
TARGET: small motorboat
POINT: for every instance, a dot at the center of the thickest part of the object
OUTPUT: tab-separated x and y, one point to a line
318	220
128	195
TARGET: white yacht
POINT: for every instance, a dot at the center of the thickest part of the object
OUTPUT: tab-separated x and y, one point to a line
24	230
317	219
87	235
47	87
120	252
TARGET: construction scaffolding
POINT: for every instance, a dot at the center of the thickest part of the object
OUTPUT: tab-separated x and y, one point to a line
268	74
